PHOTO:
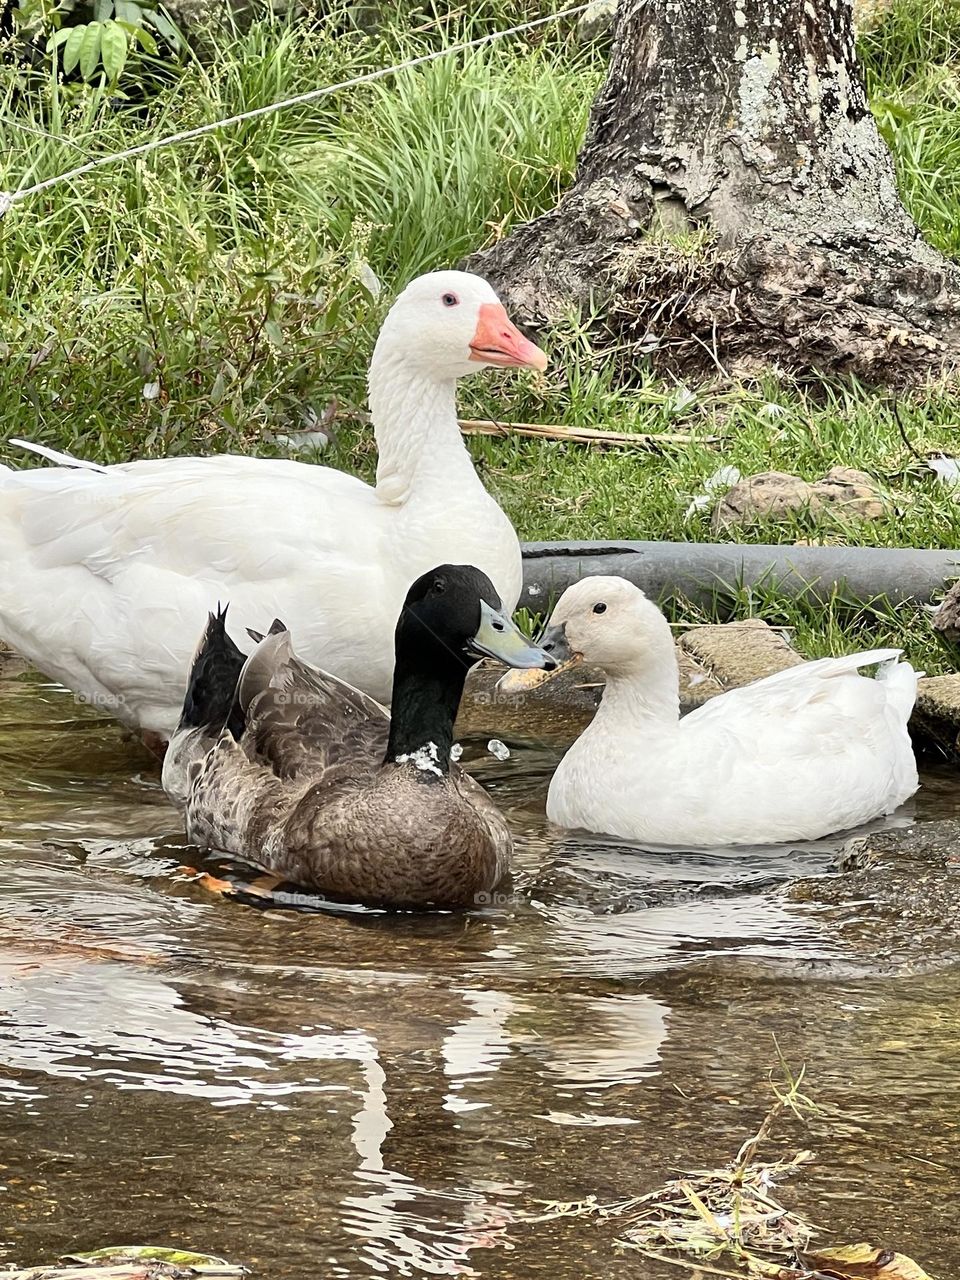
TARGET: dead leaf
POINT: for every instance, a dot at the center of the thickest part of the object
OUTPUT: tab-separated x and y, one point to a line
864	1262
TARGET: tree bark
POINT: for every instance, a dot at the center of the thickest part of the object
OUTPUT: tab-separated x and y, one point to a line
736	207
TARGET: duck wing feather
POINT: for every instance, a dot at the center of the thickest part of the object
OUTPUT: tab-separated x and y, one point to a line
299	720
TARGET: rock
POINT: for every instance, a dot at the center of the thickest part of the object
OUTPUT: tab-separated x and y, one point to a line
868	14
737	653
770	494
596	22
936	716
697	682
946	620
854	490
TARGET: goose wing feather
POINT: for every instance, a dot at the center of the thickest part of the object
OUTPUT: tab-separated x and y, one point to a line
127	555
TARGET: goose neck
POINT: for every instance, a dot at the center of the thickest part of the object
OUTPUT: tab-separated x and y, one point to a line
415	423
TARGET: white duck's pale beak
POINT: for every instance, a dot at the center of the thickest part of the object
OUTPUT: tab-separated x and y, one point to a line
498	341
499	637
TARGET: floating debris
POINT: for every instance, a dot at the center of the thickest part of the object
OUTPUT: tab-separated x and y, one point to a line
731	1217
130	1262
456	751
498	749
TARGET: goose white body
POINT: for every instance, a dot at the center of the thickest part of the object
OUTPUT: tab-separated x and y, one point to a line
109	572
814	750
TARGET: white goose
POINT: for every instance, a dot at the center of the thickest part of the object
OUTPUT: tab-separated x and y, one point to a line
108	572
807	752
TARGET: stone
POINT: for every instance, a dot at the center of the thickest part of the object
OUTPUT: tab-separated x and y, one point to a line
596	22
936	716
946	621
854	490
772	494
737	653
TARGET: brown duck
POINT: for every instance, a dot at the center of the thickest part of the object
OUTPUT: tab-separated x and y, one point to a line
292	770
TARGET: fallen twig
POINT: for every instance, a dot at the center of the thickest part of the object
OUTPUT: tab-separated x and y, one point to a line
572	435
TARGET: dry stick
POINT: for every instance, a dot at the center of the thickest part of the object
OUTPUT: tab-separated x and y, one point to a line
574	435
903	434
703	1268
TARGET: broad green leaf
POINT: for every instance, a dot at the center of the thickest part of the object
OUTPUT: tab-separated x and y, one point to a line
58	38
90	49
102	10
162	24
113	50
145	40
127	11
71	50
274	333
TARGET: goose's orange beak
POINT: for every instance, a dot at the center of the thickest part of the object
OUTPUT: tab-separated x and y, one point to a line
498	341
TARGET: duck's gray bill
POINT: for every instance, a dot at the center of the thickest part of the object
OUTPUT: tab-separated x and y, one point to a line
499	637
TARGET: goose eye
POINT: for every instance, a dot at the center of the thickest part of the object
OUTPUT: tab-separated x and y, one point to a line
600	608
450	300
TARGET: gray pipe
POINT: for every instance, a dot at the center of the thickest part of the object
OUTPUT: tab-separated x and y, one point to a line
709	573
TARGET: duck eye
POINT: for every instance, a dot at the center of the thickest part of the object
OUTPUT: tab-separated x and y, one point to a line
450	300
600	608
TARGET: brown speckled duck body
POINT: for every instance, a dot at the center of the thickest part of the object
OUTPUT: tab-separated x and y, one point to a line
292	770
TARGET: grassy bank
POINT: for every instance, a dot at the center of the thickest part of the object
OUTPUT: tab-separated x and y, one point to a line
227	277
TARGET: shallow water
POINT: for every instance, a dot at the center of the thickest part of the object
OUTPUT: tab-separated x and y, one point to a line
371	1094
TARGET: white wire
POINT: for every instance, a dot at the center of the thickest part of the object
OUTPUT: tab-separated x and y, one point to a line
10	198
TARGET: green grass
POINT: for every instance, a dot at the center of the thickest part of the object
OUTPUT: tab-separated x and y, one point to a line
231	273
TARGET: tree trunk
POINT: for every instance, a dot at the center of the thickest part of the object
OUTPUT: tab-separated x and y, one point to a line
735	206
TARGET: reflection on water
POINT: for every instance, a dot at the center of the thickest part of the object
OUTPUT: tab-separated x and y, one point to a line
346	1095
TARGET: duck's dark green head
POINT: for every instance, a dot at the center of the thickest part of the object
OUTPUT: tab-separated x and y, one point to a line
454	614
451	617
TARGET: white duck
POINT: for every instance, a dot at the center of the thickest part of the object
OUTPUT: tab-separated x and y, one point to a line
812	750
109	571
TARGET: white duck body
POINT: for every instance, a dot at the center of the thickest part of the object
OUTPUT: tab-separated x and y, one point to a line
807	752
108	570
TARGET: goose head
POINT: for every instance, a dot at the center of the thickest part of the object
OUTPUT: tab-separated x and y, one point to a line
605	621
448	324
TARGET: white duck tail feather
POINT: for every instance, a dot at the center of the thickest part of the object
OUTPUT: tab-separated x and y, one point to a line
54	455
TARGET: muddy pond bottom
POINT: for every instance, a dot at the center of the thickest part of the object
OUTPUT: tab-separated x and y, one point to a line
361	1094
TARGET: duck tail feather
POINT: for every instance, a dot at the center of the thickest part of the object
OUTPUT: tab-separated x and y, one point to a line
272	654
216	669
276	628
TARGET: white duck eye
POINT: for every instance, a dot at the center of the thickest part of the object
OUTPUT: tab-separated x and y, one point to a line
450	300
600	608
